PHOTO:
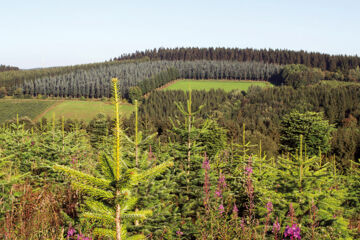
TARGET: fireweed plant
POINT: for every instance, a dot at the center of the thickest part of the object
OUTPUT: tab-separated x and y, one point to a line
111	199
293	197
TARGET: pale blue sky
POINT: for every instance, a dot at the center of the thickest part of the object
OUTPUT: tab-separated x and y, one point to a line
42	33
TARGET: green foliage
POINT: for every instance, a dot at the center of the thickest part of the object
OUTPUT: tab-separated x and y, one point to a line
345	144
297	75
354	74
9	79
111	197
30	108
306	182
19	93
99	129
187	148
135	93
316	132
278	56
3	92
213	140
9	176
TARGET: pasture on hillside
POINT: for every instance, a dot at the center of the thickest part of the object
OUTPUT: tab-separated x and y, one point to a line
23	107
227	85
85	110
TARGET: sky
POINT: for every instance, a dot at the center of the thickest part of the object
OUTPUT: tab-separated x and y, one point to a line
45	33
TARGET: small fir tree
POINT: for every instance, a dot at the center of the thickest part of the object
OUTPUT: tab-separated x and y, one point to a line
111	198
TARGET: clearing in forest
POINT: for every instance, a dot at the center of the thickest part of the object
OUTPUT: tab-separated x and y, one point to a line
227	85
85	110
23	107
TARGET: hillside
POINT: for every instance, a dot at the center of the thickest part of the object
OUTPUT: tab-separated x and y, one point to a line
276	56
260	146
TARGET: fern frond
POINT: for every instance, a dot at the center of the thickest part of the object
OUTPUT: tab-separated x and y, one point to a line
94	192
83	177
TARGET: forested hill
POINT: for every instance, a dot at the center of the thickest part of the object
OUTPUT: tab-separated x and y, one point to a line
12	78
277	56
4	68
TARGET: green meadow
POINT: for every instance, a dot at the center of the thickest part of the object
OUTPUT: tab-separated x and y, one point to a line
85	110
74	109
227	85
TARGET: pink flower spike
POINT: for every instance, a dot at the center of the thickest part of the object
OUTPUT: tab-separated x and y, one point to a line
221	209
248	170
269	207
235	209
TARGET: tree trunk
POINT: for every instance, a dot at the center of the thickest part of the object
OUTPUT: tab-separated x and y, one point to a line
118	219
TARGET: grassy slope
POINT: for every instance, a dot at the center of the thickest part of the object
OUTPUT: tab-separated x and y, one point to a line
35	109
24	107
227	85
85	109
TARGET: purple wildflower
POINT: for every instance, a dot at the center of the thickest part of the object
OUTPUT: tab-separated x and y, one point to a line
242	223
269	207
249	170
235	209
222	181
221	209
218	194
179	233
293	231
276	226
206	164
220	187
71	232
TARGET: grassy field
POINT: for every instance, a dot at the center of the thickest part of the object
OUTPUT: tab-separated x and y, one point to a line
36	109
24	107
85	110
227	85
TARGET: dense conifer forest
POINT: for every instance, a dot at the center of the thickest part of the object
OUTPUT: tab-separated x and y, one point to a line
275	56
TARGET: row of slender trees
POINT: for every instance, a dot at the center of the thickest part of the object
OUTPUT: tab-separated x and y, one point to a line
94	82
277	56
10	79
4	68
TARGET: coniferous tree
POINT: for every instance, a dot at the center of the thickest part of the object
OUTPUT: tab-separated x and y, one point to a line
111	196
307	182
188	151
